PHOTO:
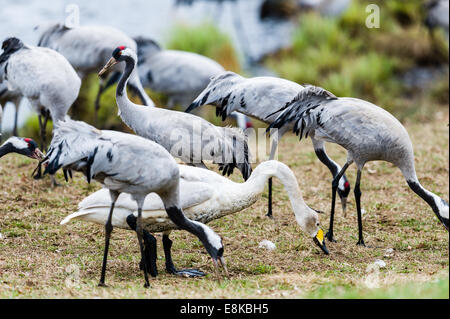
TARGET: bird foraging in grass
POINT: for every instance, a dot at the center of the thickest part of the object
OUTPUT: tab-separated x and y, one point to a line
126	163
204	196
22	146
366	131
259	97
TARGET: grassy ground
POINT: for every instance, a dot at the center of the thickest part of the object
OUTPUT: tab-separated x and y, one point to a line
41	259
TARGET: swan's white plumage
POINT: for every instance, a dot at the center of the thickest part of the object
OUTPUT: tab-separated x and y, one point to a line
204	196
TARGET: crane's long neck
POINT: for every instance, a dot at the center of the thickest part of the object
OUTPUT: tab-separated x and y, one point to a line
130	78
128	111
255	186
437	204
121	92
5	149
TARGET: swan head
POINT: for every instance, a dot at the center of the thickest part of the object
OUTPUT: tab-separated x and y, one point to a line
308	220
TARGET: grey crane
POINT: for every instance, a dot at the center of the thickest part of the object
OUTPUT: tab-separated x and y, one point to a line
41	75
180	75
88	48
126	163
13	97
185	136
366	131
205	196
258	97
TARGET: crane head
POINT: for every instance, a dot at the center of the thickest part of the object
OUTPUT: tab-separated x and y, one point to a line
23	146
119	54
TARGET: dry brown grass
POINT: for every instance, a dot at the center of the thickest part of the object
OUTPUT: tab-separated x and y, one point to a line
37	255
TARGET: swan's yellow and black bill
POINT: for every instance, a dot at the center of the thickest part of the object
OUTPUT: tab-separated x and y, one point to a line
109	64
320	242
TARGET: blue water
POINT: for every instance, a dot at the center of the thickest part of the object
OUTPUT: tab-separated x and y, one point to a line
152	18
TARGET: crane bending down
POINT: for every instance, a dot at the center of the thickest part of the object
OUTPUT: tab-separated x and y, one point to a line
19	145
22	146
41	75
204	196
126	163
88	48
366	131
10	96
180	75
185	136
258	97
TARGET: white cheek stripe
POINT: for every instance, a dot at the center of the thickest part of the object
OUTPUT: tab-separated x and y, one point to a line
443	209
213	238
18	143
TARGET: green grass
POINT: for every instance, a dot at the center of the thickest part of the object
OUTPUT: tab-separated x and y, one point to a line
39	258
437	289
207	40
348	59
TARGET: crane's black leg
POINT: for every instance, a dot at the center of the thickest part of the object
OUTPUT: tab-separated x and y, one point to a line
170	268
357	192
334	185
97	101
274	136
46	117
139	232
108	231
149	248
15	120
269	213
321	154
41	128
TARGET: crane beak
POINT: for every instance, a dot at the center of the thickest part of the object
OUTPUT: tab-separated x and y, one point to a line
108	65
216	263
318	240
37	154
344	205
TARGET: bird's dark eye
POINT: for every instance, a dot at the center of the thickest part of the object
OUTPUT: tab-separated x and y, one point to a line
317	224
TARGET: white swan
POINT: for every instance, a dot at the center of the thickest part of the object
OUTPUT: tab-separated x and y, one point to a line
204	195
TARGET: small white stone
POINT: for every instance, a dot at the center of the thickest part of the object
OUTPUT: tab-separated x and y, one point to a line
267	244
380	263
1	236
389	252
363	211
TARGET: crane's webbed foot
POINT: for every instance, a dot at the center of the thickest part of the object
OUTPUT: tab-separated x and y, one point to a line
188	273
170	268
361	242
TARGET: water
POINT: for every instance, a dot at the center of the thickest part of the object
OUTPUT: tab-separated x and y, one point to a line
240	19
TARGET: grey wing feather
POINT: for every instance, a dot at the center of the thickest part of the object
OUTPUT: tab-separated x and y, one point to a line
301	110
256	97
219	92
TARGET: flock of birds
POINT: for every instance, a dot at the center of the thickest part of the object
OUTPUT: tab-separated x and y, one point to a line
159	194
